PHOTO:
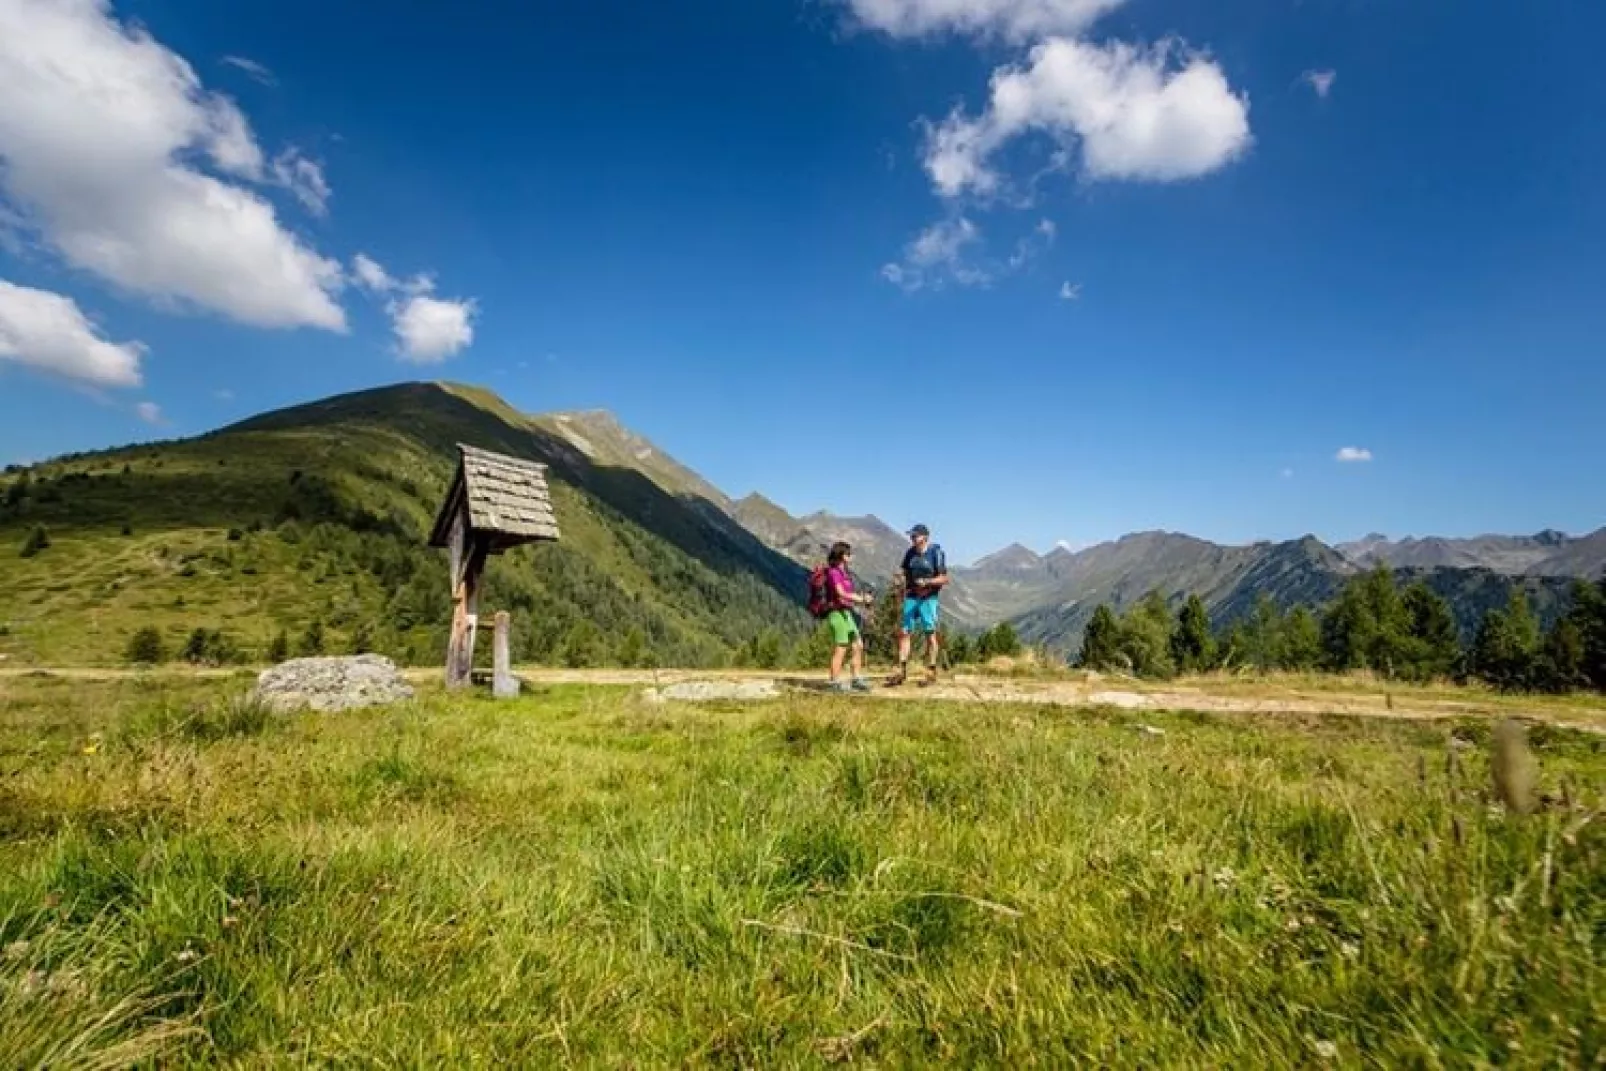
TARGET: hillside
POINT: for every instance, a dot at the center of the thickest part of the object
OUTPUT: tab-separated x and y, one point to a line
318	513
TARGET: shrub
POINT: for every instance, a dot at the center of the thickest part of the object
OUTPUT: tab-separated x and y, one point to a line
37	540
311	642
279	649
210	647
145	647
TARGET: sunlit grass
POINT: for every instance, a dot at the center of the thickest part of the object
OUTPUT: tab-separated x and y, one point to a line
581	877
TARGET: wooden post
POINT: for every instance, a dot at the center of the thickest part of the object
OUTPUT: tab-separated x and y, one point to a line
465	609
503	685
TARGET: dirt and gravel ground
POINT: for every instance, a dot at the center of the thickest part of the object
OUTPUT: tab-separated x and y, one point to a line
1215	695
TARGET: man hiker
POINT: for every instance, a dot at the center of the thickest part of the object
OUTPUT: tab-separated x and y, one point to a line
842	603
925	573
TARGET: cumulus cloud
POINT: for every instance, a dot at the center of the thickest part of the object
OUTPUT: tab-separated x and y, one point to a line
1353	454
428	329
103	136
1070	291
149	412
303	178
1011	19
1320	81
257	71
48	331
937	256
1157	114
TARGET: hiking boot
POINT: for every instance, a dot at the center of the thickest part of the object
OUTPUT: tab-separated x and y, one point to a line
929	678
899	675
860	684
838	687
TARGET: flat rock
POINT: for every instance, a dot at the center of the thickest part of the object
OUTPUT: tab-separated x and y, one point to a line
704	691
332	684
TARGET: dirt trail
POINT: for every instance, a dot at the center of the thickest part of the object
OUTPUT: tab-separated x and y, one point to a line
1214	697
1271	698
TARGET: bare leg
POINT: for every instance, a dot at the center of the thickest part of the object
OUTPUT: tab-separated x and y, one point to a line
858	658
837	655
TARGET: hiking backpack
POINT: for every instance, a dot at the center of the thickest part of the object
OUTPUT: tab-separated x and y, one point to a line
819	592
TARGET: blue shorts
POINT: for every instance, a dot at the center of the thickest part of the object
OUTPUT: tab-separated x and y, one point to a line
920	615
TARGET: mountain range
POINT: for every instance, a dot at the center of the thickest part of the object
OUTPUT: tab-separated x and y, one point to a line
656	562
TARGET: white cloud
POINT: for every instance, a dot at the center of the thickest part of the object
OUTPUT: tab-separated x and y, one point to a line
429	330
1353	454
1320	81
936	257
1070	291
370	276
1156	114
1013	19
102	134
258	72
48	331
304	178
149	412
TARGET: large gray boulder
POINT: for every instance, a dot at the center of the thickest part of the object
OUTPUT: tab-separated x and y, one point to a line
332	684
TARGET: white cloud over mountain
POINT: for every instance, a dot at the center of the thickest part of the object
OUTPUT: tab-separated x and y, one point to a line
50	333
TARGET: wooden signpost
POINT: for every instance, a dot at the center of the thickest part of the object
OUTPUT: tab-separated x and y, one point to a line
495	502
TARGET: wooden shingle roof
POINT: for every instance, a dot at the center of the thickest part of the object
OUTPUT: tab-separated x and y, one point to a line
507	498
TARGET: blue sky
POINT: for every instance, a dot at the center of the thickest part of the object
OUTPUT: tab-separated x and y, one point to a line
1015	268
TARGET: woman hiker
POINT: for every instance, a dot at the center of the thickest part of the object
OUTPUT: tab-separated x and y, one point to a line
841	619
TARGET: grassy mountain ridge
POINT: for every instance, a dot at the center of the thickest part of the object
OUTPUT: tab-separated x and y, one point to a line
319	512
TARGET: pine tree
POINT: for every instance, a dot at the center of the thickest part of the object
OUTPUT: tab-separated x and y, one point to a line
1000	640
1389	649
1264	635
1146	637
1561	658
1301	650
279	648
959	648
1507	645
1192	646
1434	650
1101	642
1588	615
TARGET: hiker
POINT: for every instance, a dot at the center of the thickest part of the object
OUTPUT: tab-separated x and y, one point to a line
832	596
925	573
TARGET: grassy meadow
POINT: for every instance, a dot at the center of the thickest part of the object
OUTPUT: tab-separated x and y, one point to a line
582	878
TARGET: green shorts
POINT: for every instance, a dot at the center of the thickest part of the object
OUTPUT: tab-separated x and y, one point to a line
844	629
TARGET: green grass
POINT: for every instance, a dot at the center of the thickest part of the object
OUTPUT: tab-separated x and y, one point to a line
579	877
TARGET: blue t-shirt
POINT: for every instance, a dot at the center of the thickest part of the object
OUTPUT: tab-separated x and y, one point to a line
923	566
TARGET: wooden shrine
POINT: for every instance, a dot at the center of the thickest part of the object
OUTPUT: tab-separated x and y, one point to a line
495	502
